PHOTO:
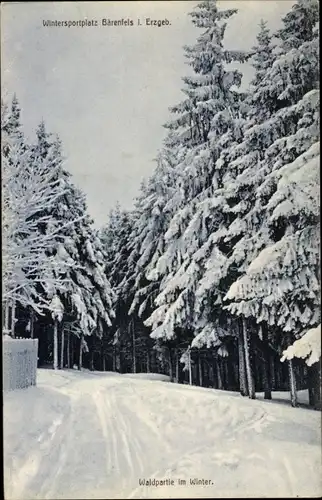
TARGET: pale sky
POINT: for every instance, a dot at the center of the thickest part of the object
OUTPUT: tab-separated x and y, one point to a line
106	90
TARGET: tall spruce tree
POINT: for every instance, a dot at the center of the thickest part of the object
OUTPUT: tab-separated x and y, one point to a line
120	263
278	217
84	297
203	129
30	190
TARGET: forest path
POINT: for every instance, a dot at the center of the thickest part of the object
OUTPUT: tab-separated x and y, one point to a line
97	435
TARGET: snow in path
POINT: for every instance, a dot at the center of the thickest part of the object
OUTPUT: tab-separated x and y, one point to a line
98	435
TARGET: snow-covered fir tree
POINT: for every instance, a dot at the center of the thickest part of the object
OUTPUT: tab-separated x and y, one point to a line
231	203
203	129
204	240
289	153
198	226
10	121
213	276
146	241
50	236
285	212
86	298
120	262
29	191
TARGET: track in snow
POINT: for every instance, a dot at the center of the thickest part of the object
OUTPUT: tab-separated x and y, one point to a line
112	431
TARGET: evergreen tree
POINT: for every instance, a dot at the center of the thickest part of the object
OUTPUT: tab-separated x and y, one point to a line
278	217
287	153
28	193
86	298
67	276
12	124
203	129
115	238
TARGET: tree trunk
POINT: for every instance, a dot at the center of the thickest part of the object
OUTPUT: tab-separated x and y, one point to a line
214	372
170	371
114	358
6	317
62	348
91	359
189	367
32	321
311	396
155	367
226	374
68	350
55	344
200	370
133	347
152	362
314	380
235	371
148	360
250	379
171	365
219	375
272	372
177	366
121	359
3	318
80	362
266	367
310	384
292	383
256	368
279	377
13	319
72	352
243	386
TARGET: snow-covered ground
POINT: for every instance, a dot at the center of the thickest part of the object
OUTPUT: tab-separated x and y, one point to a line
98	435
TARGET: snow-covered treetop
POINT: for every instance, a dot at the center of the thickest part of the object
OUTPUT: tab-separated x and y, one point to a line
206	13
299	24
10	119
263	55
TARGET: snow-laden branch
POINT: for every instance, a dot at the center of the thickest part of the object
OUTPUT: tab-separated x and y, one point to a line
31	187
307	347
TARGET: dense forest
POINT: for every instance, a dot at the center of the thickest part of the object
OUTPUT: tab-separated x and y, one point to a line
215	272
